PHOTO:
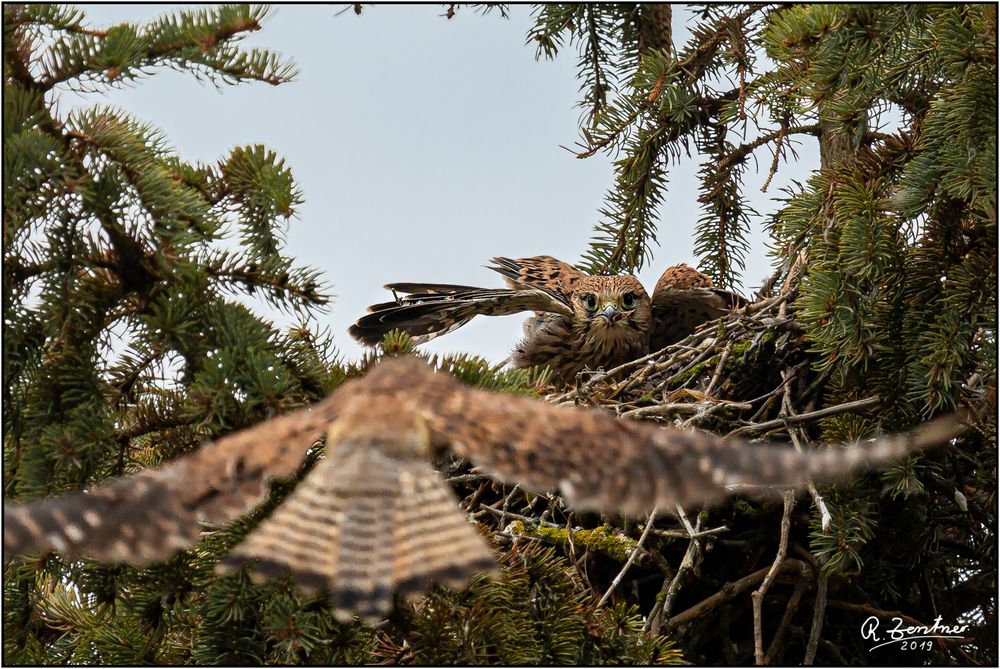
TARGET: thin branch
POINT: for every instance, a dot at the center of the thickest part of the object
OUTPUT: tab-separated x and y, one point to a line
790	608
631	559
682	407
819	612
677	534
718	368
729	591
687	563
506	504
515	516
808	417
824	513
758	595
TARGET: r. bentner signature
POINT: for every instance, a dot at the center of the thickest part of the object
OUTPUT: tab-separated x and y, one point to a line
912	637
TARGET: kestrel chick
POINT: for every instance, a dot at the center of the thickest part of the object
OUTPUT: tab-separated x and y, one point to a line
580	320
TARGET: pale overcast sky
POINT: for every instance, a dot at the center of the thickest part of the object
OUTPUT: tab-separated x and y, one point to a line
423	147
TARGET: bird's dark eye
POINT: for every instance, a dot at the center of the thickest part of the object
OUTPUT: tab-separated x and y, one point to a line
590	301
628	300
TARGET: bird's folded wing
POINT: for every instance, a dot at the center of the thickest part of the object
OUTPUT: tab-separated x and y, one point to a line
677	312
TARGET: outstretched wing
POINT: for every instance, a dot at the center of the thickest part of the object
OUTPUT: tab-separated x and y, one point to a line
374	518
431	310
619	466
146	517
683	299
542	272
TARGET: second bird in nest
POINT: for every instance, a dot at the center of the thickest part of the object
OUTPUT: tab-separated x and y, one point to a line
580	320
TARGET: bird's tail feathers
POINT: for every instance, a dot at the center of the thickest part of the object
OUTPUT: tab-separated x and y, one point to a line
363	527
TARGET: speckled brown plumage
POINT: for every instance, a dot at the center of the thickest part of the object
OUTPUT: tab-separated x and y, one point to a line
572	327
683	299
374	518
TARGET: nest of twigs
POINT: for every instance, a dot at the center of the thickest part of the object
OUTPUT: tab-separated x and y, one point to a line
749	374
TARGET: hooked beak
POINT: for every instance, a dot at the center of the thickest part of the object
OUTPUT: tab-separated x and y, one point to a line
611	313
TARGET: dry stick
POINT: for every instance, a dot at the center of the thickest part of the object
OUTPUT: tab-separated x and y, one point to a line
681	352
597	378
515	516
652	626
677	534
786	619
687	523
763	305
698	360
467	477
713	409
519	537
572	552
631	380
687	563
768	285
757	596
631	559
819	610
824	512
470	502
729	591
683	407
770	395
807	417
718	369
671	584
506	503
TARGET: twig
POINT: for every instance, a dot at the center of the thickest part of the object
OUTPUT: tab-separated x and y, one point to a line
819	611
718	368
671	582
687	563
652	626
777	153
519	537
506	503
790	608
807	417
601	376
467	477
757	596
824	513
701	357
682	407
470	502
631	559
730	590
677	534
515	516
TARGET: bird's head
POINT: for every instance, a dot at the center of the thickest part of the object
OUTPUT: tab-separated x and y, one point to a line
612	306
